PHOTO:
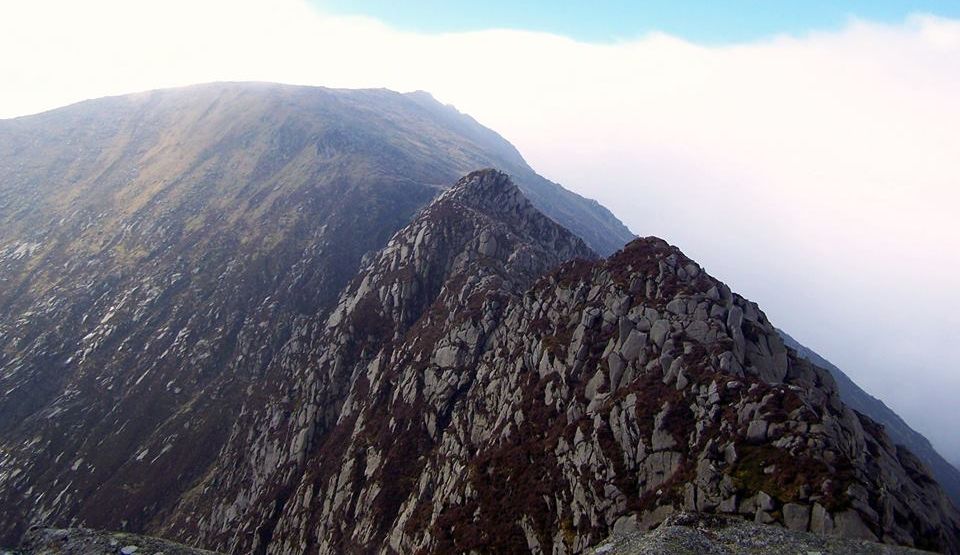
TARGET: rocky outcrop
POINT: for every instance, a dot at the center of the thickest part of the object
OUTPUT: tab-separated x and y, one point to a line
474	247
454	402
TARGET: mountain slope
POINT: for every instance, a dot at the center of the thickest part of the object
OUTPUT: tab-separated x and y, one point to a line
454	402
899	431
158	249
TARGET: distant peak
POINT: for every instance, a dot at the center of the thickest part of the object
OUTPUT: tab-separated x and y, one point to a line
421	94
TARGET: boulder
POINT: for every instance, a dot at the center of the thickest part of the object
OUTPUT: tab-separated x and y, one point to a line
796	517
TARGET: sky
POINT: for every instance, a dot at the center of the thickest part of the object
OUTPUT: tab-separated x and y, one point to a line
704	21
809	158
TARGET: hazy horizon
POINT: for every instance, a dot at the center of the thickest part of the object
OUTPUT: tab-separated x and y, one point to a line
815	172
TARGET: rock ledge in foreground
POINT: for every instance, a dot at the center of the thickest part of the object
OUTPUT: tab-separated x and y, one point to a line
687	533
82	541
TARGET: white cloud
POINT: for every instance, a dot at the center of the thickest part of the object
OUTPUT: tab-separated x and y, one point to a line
816	174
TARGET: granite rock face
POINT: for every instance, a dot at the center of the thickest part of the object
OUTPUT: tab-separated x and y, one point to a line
476	246
454	401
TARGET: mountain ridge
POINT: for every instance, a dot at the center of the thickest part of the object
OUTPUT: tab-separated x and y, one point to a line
444	368
405	279
585	217
510	417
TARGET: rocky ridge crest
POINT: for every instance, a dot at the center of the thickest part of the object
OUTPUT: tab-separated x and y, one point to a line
478	243
454	401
